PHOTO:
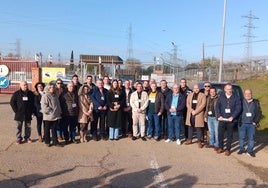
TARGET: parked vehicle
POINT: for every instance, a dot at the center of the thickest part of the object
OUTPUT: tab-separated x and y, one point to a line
220	88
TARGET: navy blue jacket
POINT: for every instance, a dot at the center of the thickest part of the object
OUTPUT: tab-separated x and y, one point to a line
180	106
254	108
235	106
96	98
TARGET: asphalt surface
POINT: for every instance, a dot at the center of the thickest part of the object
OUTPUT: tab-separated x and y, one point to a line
123	163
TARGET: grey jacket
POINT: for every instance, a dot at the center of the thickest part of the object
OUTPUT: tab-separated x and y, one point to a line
50	106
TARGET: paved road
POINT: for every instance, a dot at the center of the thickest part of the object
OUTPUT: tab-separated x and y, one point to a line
123	163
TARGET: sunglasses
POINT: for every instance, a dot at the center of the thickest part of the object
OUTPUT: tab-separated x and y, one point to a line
206	86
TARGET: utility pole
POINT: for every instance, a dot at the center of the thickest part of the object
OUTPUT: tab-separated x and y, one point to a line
18	48
203	62
130	44
249	37
223	36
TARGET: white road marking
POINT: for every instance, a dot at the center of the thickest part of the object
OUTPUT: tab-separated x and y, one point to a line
159	180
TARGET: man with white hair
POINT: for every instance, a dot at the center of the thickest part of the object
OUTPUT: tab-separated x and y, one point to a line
175	104
22	103
70	110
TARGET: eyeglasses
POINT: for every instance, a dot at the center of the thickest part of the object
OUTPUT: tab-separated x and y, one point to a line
59	83
207	86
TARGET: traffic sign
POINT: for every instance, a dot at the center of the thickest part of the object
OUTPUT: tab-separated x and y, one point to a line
3	70
4	82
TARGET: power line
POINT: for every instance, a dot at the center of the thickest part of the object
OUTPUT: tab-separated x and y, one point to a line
237	43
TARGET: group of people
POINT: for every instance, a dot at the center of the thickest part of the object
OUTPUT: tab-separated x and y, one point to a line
136	110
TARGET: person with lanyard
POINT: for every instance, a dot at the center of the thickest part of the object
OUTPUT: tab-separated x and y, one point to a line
251	116
127	111
211	119
155	110
70	110
196	103
228	109
99	98
22	103
115	100
139	102
174	105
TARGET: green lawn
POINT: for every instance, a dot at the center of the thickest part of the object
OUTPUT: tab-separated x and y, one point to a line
259	87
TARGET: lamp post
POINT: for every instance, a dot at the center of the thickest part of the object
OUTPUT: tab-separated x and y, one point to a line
222	45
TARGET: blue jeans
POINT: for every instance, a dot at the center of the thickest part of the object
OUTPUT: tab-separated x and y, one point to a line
69	126
113	133
59	127
153	124
174	126
249	131
213	125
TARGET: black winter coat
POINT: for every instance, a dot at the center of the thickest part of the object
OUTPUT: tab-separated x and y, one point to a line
114	118
22	103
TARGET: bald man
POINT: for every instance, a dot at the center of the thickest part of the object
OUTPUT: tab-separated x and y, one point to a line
251	116
22	103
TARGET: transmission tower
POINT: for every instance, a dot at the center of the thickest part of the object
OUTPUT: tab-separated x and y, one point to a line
130	45
18	48
250	17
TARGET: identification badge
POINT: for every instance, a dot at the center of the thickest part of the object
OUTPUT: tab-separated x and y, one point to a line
152	100
194	101
209	113
102	98
227	110
248	114
116	96
74	105
128	104
25	98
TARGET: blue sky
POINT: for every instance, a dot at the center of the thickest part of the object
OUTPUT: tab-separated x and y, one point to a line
102	27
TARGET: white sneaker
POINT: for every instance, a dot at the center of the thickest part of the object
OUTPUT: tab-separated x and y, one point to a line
168	140
178	142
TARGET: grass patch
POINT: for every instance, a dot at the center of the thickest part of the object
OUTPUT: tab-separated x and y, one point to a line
259	87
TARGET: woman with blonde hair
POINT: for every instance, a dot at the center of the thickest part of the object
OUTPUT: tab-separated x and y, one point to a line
85	111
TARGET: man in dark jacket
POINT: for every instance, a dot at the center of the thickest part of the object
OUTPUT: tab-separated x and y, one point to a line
175	104
70	110
251	116
99	99
154	111
163	118
185	90
22	103
127	117
228	109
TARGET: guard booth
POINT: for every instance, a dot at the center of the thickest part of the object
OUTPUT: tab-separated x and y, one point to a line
100	61
17	71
